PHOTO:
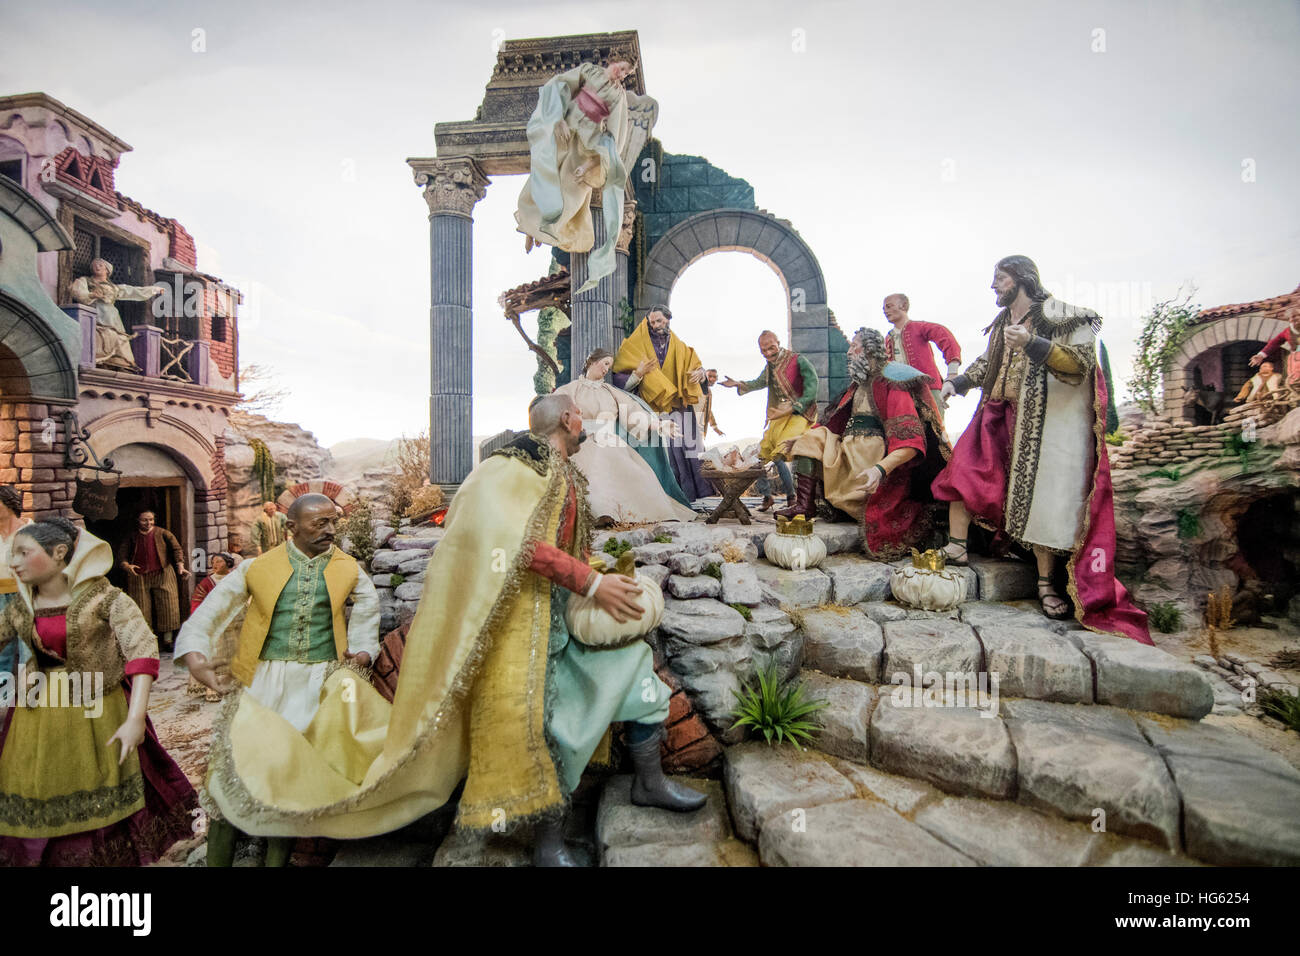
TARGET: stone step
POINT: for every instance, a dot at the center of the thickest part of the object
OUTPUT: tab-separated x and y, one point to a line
1180	785
806	809
628	835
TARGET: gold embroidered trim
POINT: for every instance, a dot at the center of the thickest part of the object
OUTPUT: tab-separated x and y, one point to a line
221	757
35	813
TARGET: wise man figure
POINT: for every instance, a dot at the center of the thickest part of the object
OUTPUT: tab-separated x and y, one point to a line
910	342
152	558
493	689
877	448
112	341
1032	463
791	384
667	375
1263	385
294	635
270	530
1285	345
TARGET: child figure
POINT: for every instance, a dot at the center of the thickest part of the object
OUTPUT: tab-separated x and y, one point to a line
83	778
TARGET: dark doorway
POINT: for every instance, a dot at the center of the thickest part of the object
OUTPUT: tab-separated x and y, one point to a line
1267	535
163	497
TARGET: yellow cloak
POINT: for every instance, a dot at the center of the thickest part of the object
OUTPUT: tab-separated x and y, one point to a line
663	385
479	637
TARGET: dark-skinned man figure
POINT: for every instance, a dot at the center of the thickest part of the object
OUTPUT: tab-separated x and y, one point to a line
294	632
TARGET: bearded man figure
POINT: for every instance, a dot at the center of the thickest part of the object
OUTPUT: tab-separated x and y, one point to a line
1033	463
879	446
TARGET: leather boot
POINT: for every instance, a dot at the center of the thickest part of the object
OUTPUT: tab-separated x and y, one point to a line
650	788
768	501
548	843
803	502
221	843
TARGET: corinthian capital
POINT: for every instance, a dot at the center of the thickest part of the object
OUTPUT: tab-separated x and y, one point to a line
451	185
624	242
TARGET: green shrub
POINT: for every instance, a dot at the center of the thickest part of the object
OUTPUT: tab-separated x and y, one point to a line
1173	474
777	711
713	570
1165	618
398	579
1116	438
745	612
358	527
1189	523
663	539
616	547
1281	705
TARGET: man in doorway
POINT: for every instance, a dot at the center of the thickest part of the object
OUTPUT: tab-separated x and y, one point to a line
270	530
791	384
909	342
667	375
152	558
1033	461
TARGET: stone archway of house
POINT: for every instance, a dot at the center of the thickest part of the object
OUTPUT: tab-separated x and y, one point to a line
34	367
771	241
1178	381
191	453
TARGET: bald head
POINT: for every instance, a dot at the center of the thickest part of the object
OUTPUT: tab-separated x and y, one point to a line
546	415
769	345
312	521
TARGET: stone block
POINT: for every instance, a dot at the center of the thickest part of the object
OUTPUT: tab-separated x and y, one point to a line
854	833
845	720
840	538
842	642
740	584
948	647
621	824
702	621
807	588
995	833
1037	663
685	563
1239	800
1077	759
958	749
654	572
763	782
1140	677
701	586
1002	580
855	580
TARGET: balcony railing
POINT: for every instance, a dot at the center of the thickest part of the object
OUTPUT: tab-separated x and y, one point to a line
158	353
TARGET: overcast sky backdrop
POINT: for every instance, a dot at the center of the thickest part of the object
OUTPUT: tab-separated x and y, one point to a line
1127	146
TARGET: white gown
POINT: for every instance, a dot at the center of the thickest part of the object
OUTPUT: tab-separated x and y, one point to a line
621	486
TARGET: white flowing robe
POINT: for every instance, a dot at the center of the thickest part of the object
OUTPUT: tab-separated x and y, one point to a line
621	485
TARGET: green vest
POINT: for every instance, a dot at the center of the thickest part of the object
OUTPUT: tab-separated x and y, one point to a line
302	627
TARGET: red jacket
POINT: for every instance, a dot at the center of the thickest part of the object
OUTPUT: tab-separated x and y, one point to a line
917	337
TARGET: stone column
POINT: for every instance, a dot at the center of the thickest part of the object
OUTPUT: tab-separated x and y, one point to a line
592	312
451	188
621	292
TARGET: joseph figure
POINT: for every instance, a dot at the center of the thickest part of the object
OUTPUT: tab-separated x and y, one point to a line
667	375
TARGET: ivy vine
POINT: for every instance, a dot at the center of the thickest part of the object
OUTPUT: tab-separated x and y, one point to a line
263	468
1163	331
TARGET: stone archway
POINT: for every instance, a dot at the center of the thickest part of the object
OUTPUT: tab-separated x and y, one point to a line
812	329
34	365
1209	337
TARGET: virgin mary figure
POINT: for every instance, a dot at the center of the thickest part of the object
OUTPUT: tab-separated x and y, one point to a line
580	139
624	459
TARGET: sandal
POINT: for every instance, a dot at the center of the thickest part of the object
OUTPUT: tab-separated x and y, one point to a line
1050	595
959	559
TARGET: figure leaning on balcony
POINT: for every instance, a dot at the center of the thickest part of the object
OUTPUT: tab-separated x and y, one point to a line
1033	463
112	341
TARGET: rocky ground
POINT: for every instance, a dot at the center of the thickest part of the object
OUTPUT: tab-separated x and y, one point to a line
1096	750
